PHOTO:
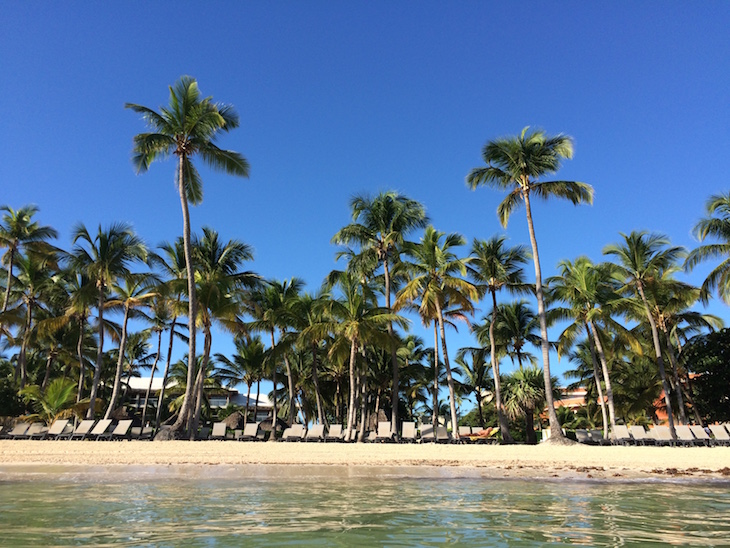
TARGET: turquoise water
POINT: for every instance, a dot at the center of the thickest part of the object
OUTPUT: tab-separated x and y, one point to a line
359	511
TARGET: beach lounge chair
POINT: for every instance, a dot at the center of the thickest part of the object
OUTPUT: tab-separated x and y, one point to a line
19	430
250	432
80	432
685	436
315	433
465	434
408	432
597	437
584	436
100	428
722	437
621	435
203	434
35	430
663	436
384	434
120	432
219	431
335	433
57	428
427	435
294	433
443	435
641	437
701	435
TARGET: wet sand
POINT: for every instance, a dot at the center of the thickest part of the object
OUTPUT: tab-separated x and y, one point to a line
549	462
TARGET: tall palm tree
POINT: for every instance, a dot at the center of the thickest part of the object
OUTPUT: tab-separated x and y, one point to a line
102	259
641	259
526	394
494	267
188	127
379	227
516	164
18	231
436	282
716	225
245	366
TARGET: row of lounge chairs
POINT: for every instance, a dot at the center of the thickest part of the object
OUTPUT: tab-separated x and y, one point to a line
336	433
62	429
687	436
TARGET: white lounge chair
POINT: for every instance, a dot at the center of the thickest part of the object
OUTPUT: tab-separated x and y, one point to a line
701	434
120	432
641	437
315	433
384	433
335	433
219	431
100	428
408	432
621	435
720	433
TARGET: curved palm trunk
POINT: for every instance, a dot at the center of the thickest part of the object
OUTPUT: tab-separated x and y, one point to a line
290	387
200	382
49	364
597	378
659	359
248	401
435	393
675	372
449	378
152	376
183	422
99	355
555	430
161	397
274	413
501	416
120	362
394	398
351	405
315	379
24	346
606	376
80	354
11	262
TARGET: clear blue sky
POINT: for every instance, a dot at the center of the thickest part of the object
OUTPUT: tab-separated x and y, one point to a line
339	98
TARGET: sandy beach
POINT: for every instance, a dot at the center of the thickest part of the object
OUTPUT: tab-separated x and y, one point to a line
517	461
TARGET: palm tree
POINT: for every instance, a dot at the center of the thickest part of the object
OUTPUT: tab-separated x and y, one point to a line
56	402
642	258
186	128
435	282
102	259
18	231
134	292
379	227
516	164
715	225
494	267
354	318
588	291
218	280
245	366
476	379
525	390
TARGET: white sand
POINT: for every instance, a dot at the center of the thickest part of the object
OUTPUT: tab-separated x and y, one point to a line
516	461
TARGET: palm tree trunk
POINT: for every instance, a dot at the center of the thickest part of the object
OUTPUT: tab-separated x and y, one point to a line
530	426
200	381
274	414
597	377
364	419
152	376
120	362
290	387
161	397
449	378
351	405
49	364
6	301
555	430
99	354
256	405
79	353
677	384
501	416
659	359
248	401
24	346
315	380
393	360
606	377
435	393
182	422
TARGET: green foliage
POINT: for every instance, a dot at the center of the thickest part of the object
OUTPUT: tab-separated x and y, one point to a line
708	357
10	404
58	401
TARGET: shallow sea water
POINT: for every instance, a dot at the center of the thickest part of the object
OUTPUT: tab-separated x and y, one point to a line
359	511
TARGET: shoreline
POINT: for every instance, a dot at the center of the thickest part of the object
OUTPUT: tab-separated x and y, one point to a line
92	461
